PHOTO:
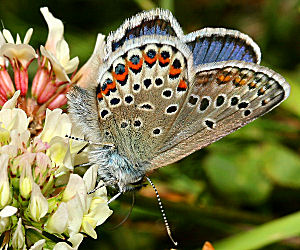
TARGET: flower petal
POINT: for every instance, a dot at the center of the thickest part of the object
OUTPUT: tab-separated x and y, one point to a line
75	212
28	36
8	211
18	238
57	223
38	205
56	124
12	102
56	30
9	38
38	245
24	53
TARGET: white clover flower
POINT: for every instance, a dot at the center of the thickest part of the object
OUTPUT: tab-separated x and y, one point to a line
40	170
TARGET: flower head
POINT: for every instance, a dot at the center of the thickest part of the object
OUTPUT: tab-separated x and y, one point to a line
36	176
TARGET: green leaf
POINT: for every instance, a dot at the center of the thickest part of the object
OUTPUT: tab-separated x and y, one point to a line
266	234
282	165
237	173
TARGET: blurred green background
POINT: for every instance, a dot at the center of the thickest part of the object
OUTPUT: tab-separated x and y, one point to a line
232	192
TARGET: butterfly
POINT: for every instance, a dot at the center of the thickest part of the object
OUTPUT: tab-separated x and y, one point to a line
161	95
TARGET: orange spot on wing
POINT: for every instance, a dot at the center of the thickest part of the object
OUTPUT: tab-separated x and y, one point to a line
227	78
237	80
104	92
182	84
135	66
243	82
174	71
162	60
221	78
99	95
121	77
150	60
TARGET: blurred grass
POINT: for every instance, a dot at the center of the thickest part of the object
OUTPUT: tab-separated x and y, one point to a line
238	186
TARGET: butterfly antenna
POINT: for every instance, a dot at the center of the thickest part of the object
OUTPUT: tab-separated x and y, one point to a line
96	188
162	211
90	142
114	197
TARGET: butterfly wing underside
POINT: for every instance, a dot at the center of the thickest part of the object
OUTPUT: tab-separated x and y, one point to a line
224	97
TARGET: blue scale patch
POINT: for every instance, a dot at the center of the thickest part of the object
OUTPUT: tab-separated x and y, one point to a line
217	49
156	26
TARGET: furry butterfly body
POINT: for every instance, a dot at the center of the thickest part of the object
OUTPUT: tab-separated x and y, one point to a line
162	95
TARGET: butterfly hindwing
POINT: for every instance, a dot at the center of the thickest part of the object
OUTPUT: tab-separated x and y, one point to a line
218	44
223	97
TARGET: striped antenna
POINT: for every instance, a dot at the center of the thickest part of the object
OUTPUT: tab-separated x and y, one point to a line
162	212
96	188
90	142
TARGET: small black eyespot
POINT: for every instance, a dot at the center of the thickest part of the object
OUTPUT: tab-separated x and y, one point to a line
204	104
151	53
158	81
167	93
165	54
115	101
137	123
243	105
120	69
147	83
193	100
104	86
124	124
209	123
106	133
156	131
104	113
176	64
128	99
220	101
247	112
171	109
136	87
135	59
234	101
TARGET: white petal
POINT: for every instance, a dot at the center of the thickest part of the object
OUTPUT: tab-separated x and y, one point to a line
18	238
2	39
12	102
38	205
24	53
56	124
75	212
56	66
75	239
57	223
9	38
56	30
38	245
18	39
72	65
8	211
28	36
75	186
62	52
